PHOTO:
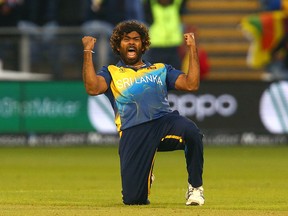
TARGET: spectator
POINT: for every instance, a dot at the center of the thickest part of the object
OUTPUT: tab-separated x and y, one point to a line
114	11
271	5
134	10
9	12
166	30
98	22
72	12
9	16
40	12
279	63
36	14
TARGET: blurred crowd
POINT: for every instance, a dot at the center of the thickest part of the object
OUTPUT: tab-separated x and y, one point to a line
41	20
278	64
268	34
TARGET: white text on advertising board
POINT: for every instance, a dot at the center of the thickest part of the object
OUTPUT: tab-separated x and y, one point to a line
203	106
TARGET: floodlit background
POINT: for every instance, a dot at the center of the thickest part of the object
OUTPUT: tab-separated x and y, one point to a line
59	153
243	97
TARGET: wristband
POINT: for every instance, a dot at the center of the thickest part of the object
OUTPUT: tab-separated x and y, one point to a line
89	51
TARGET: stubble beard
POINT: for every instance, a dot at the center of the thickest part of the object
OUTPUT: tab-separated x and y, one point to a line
129	61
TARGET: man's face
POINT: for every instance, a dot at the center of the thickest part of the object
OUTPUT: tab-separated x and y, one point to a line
131	48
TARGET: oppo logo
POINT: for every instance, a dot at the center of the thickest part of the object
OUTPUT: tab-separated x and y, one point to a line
203	106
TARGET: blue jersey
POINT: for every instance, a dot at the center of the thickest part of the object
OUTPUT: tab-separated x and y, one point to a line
139	96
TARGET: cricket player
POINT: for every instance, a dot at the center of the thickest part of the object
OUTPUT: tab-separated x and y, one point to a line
137	90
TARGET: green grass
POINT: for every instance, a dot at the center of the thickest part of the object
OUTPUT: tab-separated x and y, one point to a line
86	181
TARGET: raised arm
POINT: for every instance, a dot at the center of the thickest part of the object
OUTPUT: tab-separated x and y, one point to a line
191	80
94	84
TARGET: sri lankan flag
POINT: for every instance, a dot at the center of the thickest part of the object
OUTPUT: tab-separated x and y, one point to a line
264	32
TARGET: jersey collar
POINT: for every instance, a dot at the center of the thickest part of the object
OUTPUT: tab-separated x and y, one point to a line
122	64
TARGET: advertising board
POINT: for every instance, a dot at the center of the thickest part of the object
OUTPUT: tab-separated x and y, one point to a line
227	112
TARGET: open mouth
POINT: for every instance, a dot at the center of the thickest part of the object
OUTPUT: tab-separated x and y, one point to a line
131	52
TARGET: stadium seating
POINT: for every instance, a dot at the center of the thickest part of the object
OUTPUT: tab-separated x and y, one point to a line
219	32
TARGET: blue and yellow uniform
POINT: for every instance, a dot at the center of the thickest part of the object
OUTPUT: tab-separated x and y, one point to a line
139	96
146	124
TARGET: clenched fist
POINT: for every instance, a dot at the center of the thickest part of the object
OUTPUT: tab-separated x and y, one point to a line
88	42
190	39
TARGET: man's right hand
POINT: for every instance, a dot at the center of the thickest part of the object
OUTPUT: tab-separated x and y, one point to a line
88	42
